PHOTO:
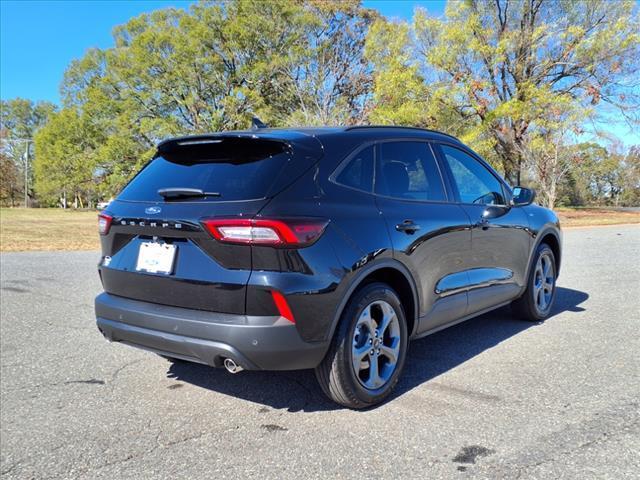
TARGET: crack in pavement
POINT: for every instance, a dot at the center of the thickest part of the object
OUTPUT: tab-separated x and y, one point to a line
158	446
602	427
118	370
604	437
113	375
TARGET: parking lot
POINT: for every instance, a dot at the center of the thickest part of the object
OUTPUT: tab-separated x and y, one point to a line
491	398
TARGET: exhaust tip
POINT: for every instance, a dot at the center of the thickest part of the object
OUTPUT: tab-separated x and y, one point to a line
231	366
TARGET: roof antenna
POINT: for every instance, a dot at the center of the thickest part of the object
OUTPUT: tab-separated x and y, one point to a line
256	123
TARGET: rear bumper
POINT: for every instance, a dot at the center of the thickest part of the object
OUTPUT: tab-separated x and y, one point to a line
254	342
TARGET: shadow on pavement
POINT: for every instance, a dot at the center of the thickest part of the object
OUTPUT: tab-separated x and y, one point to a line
427	358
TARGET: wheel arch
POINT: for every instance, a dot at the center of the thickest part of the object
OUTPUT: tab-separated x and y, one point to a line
392	273
551	237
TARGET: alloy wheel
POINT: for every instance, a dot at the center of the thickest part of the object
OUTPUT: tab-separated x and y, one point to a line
376	345
543	282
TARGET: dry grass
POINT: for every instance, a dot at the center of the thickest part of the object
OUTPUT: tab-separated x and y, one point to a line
55	229
47	229
586	217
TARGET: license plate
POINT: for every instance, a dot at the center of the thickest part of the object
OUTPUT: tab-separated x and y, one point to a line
156	257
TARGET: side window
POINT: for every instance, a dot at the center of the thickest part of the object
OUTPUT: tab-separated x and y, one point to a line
408	170
474	182
359	171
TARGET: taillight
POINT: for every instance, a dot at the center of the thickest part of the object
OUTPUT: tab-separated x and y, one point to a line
104	223
278	233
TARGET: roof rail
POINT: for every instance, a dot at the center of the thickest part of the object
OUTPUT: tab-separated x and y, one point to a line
362	127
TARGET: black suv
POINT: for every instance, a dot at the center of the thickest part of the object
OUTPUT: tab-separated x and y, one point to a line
325	248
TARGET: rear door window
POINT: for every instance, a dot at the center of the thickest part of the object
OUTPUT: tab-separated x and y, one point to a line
358	173
408	170
236	169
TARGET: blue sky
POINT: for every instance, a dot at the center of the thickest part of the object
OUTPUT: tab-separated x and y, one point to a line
38	39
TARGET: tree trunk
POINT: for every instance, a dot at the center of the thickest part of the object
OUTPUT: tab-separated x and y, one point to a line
509	152
512	172
552	193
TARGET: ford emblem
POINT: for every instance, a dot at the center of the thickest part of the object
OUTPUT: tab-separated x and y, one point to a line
152	210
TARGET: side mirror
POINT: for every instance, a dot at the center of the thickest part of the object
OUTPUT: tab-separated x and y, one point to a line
523	196
494	211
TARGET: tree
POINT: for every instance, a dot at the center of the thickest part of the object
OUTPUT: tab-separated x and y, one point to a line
330	79
10	185
603	176
174	72
493	71
67	162
550	158
631	178
582	186
19	120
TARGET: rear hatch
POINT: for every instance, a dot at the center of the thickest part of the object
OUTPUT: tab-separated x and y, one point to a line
155	247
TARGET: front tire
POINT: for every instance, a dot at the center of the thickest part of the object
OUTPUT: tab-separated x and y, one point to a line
536	302
368	351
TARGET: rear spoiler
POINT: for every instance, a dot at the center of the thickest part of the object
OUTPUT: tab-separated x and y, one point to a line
231	143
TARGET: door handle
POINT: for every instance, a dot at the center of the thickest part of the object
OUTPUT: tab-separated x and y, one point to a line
408	227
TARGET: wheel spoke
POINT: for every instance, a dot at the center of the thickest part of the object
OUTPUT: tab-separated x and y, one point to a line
359	355
549	283
542	301
374	374
390	353
546	267
366	320
536	290
538	277
388	316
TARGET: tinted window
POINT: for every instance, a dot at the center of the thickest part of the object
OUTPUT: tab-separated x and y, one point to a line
474	182
408	170
237	170
359	171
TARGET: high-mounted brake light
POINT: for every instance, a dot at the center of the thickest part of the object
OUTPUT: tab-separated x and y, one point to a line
277	233
104	223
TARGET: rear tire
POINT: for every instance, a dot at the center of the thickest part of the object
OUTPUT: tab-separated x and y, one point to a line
536	302
368	351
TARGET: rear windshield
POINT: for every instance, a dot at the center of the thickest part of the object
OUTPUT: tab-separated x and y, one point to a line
234	169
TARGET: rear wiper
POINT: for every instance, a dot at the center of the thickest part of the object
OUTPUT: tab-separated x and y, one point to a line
169	193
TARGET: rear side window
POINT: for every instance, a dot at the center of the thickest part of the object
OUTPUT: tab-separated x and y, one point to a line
408	170
358	173
236	169
474	182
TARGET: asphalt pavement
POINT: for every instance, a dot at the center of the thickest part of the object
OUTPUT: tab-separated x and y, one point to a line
493	397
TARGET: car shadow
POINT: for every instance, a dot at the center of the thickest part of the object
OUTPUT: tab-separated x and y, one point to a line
427	358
